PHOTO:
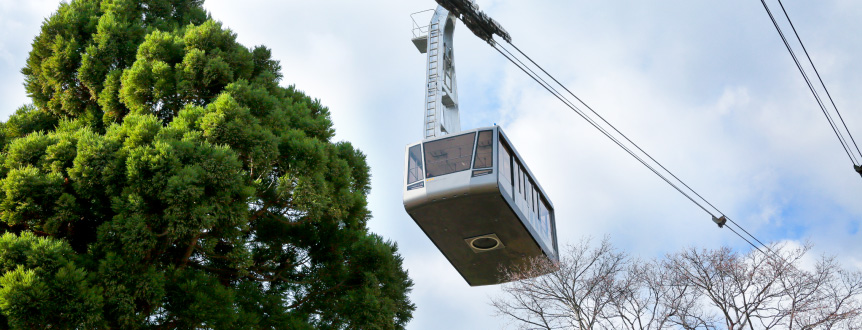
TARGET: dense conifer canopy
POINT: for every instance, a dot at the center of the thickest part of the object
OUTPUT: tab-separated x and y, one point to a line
162	179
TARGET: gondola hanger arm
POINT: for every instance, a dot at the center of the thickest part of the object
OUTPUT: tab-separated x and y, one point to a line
482	26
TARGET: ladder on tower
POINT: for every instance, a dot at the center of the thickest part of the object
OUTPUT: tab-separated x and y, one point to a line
431	96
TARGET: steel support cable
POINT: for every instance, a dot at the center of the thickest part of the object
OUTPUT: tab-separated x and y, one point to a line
571	105
810	86
818	77
773	253
615	129
820	103
521	65
574	108
635	144
746	231
580	112
749	242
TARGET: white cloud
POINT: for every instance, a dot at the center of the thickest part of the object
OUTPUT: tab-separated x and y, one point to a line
706	88
19	23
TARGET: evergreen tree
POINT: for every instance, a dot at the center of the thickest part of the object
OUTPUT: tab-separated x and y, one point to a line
162	179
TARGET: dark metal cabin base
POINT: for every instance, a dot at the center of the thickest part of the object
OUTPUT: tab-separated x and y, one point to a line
451	222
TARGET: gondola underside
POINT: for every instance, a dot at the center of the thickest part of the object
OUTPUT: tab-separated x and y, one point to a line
453	223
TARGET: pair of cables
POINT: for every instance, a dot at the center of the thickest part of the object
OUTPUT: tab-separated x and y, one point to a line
556	88
485	28
830	110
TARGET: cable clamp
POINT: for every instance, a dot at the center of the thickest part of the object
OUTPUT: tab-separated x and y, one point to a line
858	169
720	221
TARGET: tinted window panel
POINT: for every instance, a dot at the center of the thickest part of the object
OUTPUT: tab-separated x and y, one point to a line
545	224
520	179
484	150
517	175
533	198
505	163
448	155
414	164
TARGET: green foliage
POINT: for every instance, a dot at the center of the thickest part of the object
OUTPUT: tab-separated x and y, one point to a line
163	179
42	288
27	119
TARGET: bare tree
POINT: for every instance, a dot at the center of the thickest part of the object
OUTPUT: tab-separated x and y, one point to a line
573	295
649	298
743	288
827	298
601	287
767	289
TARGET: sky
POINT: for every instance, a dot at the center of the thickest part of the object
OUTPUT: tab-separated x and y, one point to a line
707	88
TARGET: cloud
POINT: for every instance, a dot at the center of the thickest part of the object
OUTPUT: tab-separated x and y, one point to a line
706	88
19	24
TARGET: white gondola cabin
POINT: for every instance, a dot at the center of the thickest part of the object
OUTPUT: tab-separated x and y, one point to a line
475	198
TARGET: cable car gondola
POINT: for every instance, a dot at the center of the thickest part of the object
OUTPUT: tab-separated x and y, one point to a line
470	191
